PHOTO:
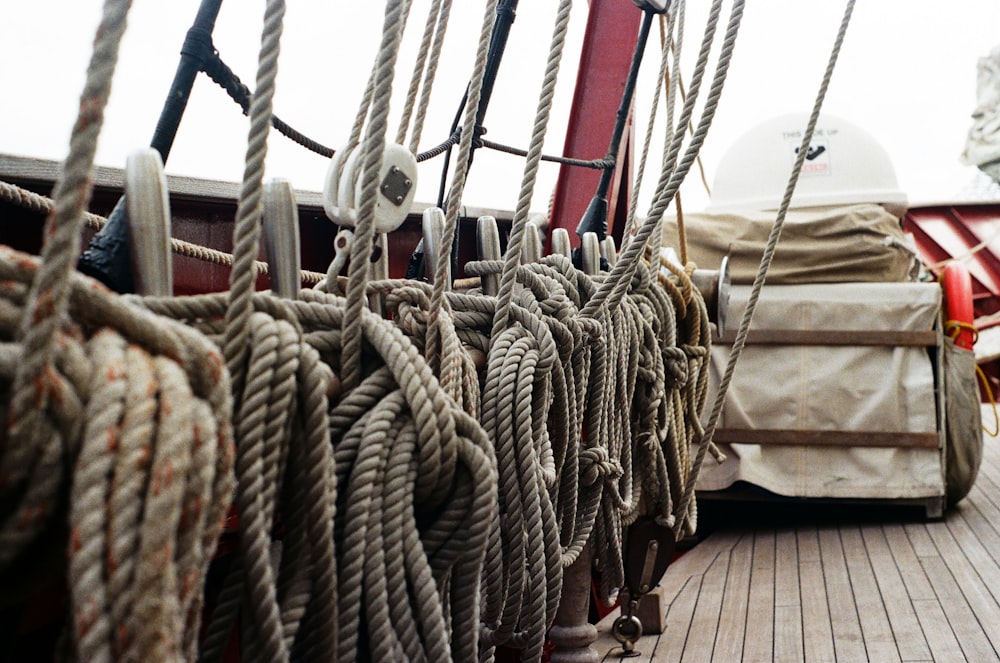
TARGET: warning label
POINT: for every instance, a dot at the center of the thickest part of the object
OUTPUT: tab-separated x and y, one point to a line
817	163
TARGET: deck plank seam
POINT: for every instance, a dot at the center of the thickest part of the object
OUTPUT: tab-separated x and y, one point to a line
959	562
876	625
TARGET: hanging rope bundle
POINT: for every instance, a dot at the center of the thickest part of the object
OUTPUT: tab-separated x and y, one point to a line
119	427
393	500
415	477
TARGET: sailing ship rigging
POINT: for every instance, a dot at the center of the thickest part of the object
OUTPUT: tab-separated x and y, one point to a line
361	464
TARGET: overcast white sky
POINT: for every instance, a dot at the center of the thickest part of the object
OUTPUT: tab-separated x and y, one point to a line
907	73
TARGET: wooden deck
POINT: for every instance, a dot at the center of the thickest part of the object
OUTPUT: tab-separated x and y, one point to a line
837	584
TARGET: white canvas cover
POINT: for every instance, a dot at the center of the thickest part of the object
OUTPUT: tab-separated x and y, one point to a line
836	244
831	388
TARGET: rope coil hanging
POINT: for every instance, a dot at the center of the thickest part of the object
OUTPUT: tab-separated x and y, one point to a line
393	500
144	482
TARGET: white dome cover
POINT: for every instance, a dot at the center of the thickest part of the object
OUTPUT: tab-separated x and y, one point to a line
845	165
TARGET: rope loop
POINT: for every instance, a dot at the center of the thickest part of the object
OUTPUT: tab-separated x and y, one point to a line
596	466
675	362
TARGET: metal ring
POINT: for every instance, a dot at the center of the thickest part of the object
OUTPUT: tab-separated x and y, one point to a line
627	629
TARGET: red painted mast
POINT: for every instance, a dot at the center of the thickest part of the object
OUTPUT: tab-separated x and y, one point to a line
610	38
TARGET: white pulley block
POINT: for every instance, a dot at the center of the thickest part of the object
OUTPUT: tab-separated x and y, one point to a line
397	184
348	178
331	189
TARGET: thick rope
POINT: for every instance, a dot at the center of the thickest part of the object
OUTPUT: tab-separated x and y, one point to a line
442	270
44	205
614	287
546	97
32	447
373	147
427	60
248	211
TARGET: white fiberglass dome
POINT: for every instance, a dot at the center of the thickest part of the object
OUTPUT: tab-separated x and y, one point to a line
845	165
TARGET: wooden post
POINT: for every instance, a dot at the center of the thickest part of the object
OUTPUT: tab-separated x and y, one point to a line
572	634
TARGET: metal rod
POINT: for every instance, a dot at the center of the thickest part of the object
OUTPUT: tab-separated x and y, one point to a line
595	219
107	256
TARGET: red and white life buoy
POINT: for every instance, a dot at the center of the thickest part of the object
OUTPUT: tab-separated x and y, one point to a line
958	324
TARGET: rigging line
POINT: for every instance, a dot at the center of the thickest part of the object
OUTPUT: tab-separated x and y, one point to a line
246	229
765	263
683	93
594	164
503	19
226	78
482	77
613	288
427	60
44	205
662	75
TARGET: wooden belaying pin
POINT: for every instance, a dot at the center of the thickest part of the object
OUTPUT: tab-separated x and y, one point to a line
609	251
531	245
147	208
560	243
590	252
433	228
488	247
281	238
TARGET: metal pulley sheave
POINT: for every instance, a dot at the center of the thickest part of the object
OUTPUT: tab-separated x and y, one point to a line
396	189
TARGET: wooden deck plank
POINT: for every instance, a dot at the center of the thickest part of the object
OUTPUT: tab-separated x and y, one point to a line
670	646
906	629
848	641
786	570
788	641
976	572
875	628
817	632
759	642
705	623
851	590
920	540
986	492
984	517
957	609
696	562
941	640
917	585
974	526
732	626
807	541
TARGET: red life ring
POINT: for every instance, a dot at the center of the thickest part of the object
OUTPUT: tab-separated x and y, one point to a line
957	284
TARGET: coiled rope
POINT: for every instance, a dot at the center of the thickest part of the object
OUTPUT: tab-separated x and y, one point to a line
144	482
420	509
